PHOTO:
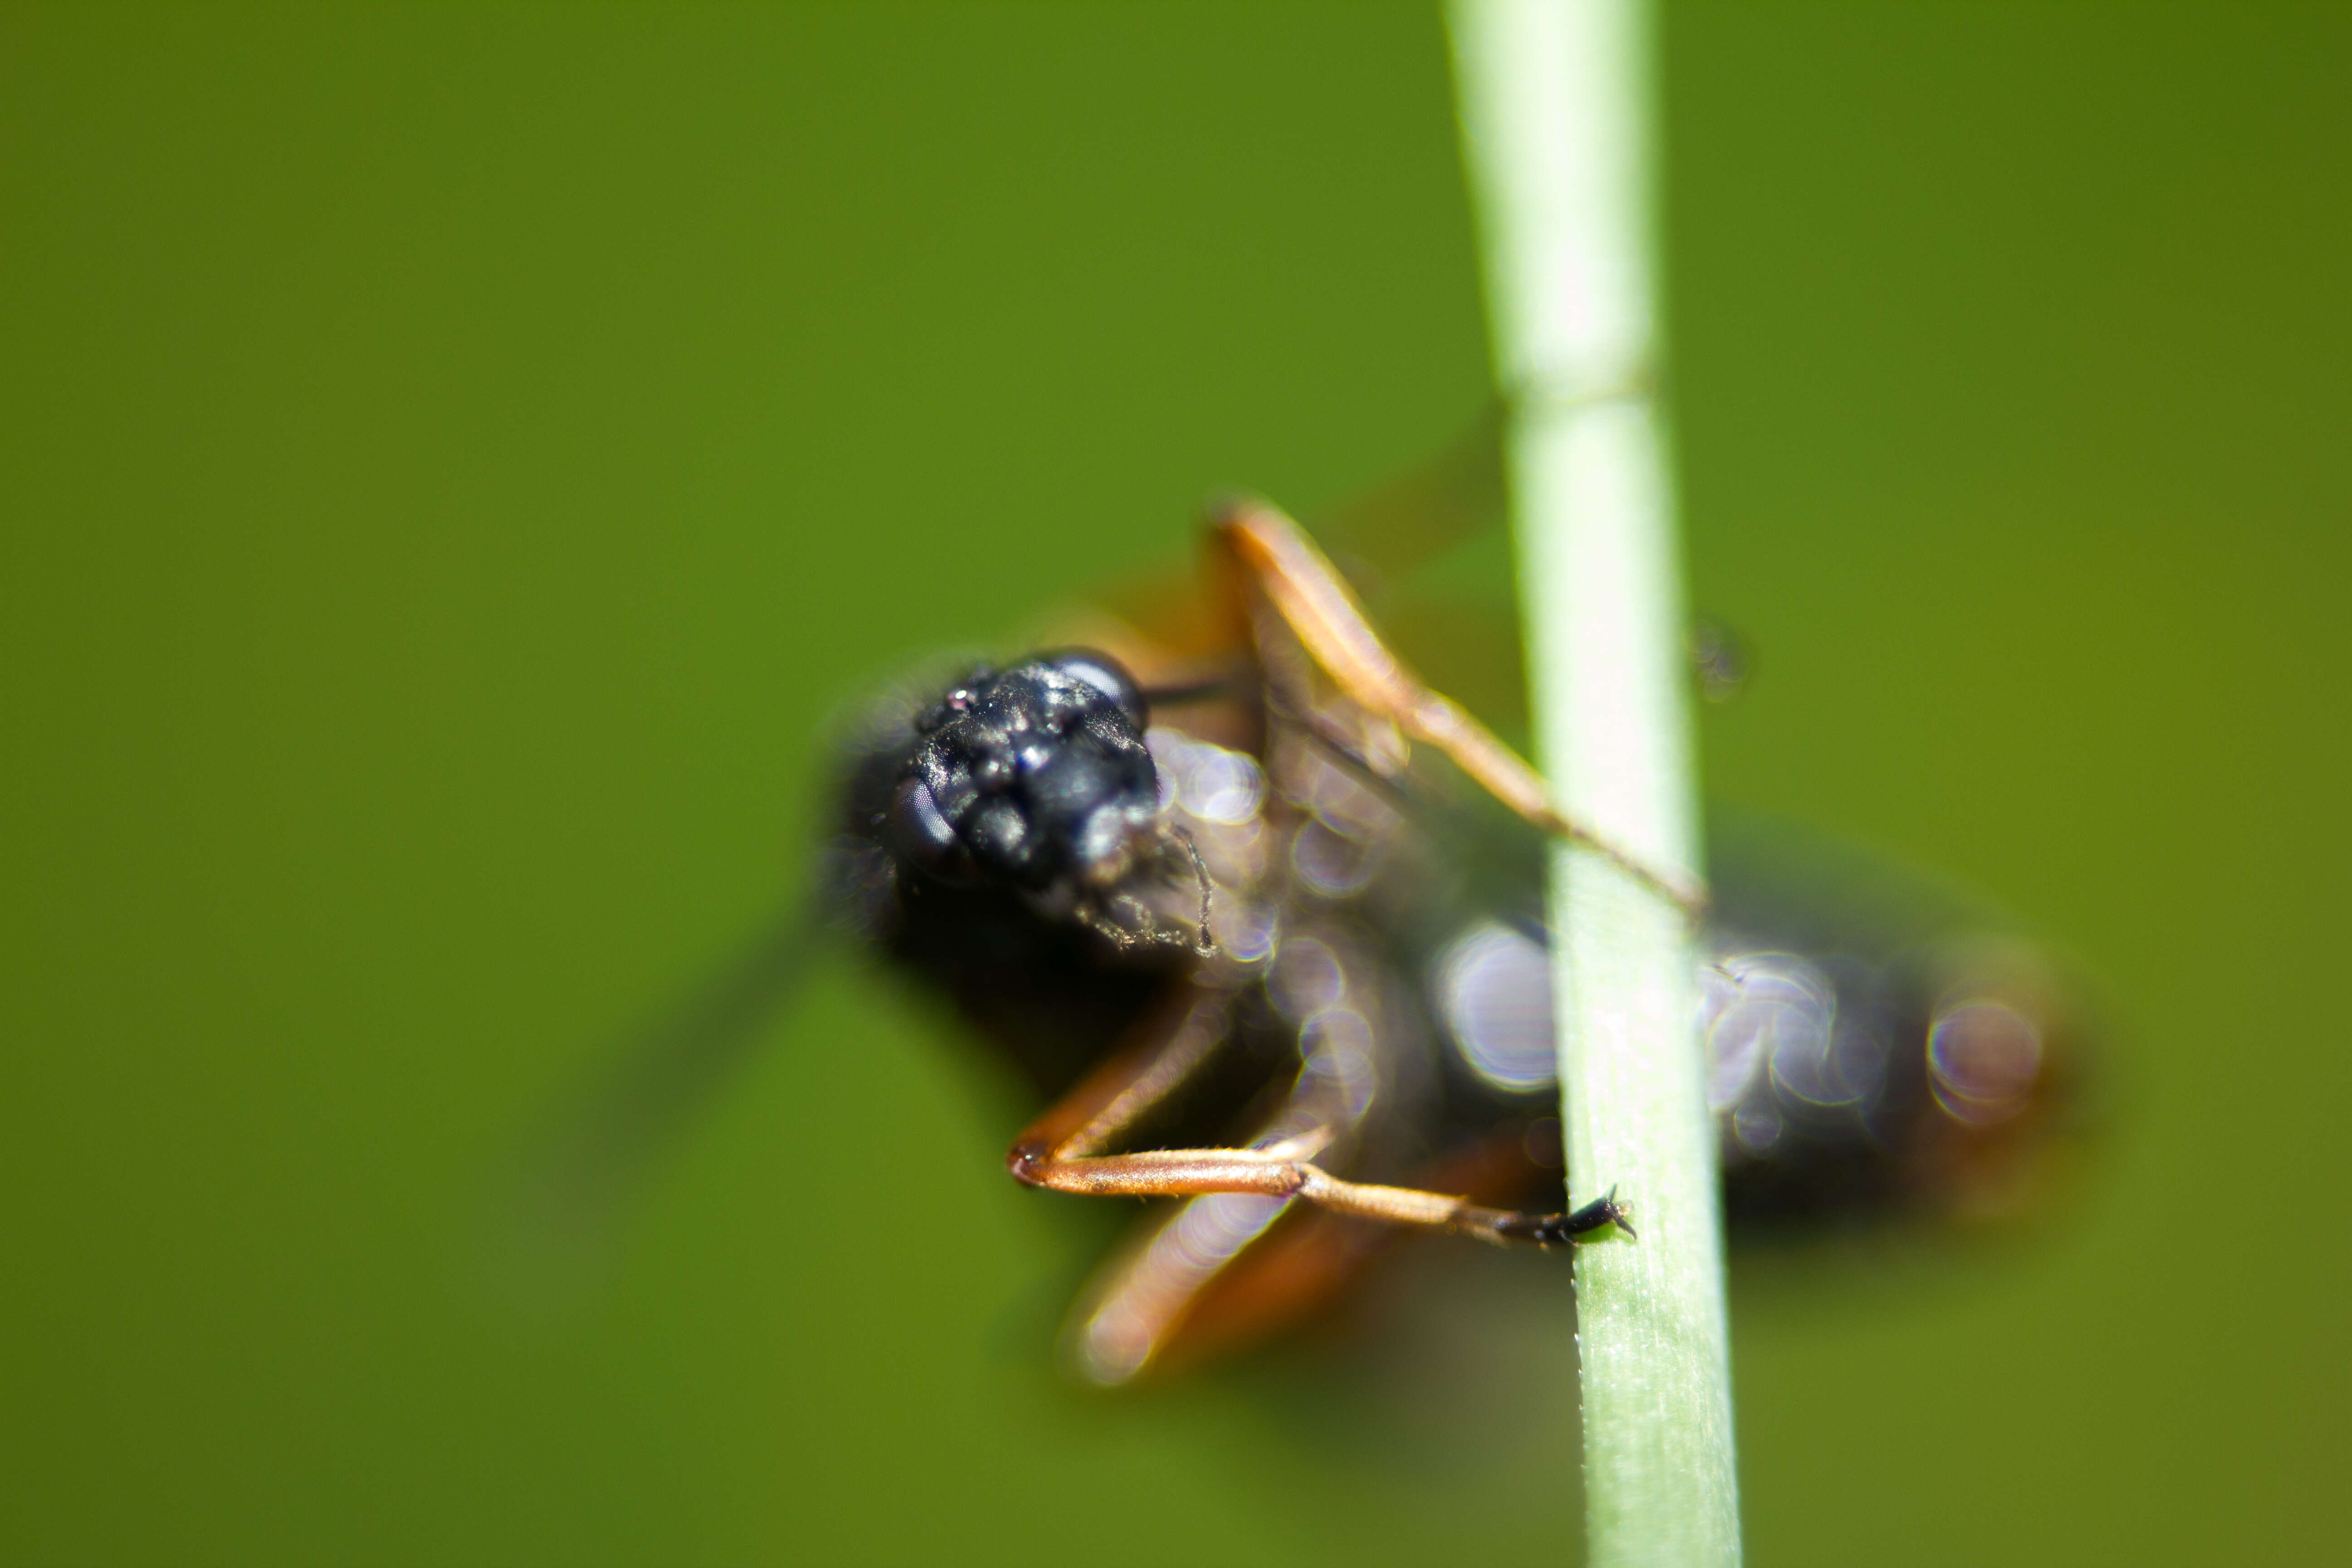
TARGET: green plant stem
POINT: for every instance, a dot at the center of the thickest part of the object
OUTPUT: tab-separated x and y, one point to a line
1553	97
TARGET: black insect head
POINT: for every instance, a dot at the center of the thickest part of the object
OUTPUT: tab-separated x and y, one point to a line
1035	777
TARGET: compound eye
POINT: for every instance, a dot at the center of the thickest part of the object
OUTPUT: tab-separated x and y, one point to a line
920	835
1105	674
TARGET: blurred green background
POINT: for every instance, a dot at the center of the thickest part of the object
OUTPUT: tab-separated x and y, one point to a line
456	459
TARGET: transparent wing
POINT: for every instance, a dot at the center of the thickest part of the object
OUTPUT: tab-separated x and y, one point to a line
600	1142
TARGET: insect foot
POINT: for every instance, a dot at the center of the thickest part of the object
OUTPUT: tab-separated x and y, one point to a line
1560	1229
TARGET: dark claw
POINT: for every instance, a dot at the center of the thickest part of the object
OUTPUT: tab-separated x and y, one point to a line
1603	1211
1561	1229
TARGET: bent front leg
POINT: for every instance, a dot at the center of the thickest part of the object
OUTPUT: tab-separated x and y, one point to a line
1277	557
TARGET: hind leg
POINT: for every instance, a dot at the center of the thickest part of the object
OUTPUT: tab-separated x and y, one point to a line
1226	1271
1065	1150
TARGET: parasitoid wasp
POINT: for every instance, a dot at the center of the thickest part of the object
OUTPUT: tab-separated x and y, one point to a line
1239	930
1258	915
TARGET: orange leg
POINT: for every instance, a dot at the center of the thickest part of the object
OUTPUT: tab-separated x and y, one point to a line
1308	592
1062	1149
1283	1171
1224	1272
